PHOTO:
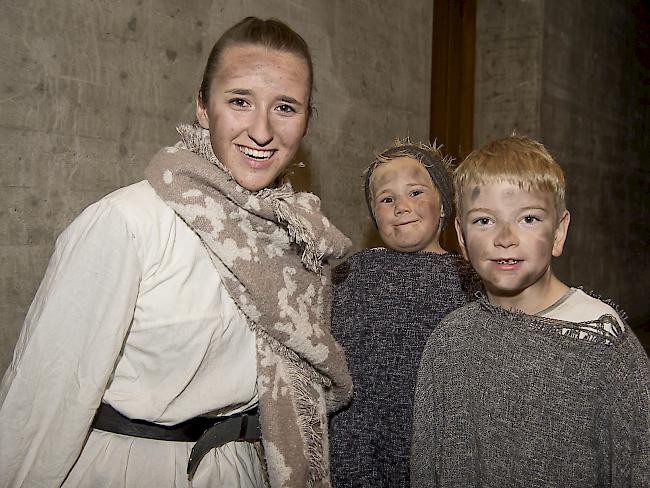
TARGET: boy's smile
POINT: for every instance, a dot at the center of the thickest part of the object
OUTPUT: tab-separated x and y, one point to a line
510	236
406	205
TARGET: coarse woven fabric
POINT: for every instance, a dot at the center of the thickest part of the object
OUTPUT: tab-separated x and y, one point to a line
385	305
271	249
508	399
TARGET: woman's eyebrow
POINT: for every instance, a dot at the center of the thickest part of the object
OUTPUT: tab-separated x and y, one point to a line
288	99
239	91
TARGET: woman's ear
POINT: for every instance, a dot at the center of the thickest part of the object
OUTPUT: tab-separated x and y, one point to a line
202	114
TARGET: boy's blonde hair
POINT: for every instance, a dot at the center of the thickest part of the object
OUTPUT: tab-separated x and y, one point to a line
517	159
431	157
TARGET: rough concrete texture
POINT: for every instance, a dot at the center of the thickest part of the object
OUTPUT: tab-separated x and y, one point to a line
89	90
574	75
508	68
595	117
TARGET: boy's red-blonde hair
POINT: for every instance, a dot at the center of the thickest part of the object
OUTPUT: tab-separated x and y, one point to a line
517	159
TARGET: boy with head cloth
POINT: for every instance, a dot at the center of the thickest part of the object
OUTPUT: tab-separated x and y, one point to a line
386	302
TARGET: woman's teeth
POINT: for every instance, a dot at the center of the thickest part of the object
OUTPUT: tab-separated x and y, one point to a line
255	153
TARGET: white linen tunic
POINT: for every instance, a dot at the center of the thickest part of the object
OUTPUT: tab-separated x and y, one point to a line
130	312
577	306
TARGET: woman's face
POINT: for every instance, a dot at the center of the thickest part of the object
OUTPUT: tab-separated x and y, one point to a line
257	113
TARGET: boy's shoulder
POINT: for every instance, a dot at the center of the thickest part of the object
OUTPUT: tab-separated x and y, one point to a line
377	256
578	306
576	317
463	318
383	263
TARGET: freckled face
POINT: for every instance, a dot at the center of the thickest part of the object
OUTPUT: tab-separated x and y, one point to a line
407	206
510	235
257	113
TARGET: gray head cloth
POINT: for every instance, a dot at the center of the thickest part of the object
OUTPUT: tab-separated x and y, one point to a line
437	169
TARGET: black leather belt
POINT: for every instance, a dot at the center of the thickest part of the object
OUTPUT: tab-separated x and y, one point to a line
207	432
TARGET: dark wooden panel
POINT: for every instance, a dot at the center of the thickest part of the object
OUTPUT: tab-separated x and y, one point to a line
452	82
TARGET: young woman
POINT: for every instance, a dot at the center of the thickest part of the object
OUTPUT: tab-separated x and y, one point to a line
172	307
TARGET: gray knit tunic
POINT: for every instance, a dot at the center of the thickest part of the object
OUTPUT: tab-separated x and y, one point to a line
505	399
385	305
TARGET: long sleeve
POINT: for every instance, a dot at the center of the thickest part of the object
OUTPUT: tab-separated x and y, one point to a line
68	348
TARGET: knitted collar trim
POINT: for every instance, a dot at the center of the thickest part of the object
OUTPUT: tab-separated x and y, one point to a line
604	330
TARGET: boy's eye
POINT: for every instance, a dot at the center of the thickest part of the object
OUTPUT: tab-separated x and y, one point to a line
481	221
386	200
415	193
530	219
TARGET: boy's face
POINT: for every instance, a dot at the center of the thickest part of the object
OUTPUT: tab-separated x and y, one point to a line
406	205
510	235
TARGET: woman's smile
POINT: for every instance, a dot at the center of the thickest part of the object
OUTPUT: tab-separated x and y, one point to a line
257	113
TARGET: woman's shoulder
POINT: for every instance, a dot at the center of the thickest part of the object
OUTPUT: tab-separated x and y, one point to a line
138	200
137	206
136	209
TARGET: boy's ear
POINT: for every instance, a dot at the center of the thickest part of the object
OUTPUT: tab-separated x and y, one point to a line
560	234
202	114
461	237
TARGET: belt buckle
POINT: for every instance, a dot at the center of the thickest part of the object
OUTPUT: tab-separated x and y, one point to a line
240	428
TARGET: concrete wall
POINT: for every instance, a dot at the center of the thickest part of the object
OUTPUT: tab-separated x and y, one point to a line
574	74
90	90
508	68
594	116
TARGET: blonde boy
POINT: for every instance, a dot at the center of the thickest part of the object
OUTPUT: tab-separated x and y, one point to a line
536	383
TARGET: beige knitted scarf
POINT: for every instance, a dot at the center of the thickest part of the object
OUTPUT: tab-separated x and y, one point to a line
269	248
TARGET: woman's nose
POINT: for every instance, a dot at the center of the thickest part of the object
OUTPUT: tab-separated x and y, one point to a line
260	130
